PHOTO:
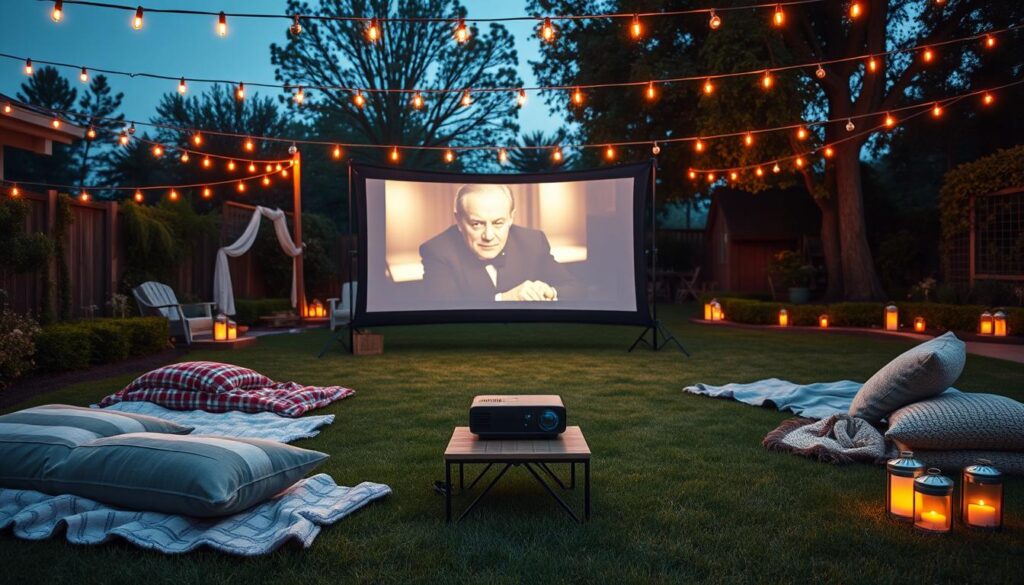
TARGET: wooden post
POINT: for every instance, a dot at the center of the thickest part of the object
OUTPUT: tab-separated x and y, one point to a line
113	252
300	287
53	300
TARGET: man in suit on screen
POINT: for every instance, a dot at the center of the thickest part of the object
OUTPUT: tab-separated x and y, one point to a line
484	256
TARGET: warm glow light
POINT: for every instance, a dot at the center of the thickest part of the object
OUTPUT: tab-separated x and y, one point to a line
733	175
936	110
692	174
56	122
139	197
394	154
90	133
461	32
779	18
277	167
15	191
184	157
296	27
241	187
872	64
609	153
988	99
7	108
547	31
83	75
84	196
502	155
767	81
714	22
207	192
173	195
776	169
417	101
467	99
336	153
577	97
801	133
820	72
748	139
651	92
892	318
890	121
252	167
373	31
521	98
999	324
699	145
28	67
783	318
266	181
709	87
231	165
823	321
759	172
58	11
249	145
222	24
799	162
556	154
449	156
358	99
123	138
990	42
711	177
284	173
919	324
855	9
300	96
240	92
829	152
269	168
137	21
636	30
182	88
207	162
928	55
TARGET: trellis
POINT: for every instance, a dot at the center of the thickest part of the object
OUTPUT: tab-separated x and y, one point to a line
996	241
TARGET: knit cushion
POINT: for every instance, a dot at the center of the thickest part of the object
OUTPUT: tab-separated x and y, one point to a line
34	439
960	420
213	377
919	373
193	475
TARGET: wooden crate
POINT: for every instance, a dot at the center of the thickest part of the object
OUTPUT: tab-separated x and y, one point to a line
366	343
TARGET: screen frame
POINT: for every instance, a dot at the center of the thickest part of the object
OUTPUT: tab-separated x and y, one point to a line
641	173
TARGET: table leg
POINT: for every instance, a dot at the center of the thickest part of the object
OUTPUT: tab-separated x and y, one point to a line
447	492
572	476
462	480
586	490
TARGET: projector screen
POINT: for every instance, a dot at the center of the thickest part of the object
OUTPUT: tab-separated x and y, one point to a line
446	247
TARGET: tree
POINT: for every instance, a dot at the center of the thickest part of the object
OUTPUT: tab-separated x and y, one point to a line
407	56
97	109
528	158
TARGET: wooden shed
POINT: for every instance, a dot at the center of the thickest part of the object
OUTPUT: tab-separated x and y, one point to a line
745	230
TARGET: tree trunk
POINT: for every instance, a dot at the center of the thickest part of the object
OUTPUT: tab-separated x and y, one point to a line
830	247
860	280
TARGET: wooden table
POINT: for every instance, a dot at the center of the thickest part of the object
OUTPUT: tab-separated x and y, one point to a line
534	455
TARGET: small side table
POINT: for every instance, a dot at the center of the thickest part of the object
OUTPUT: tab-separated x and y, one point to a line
534	455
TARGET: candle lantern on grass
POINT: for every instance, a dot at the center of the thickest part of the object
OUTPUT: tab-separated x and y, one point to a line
985	324
981	496
716	311
999	324
933	502
919	324
707	311
823	321
900	474
220	328
232	330
318	309
892	318
783	318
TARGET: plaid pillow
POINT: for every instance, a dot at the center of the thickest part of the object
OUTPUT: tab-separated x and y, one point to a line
283	399
213	377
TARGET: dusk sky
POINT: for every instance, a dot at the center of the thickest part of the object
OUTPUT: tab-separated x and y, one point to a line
183	45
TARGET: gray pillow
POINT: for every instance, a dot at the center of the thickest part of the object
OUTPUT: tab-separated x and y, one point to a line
918	373
953	461
960	420
37	438
192	475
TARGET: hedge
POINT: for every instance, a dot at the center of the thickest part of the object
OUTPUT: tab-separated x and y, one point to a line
73	346
936	315
247	311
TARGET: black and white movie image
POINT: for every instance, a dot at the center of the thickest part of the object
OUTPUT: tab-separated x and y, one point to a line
548	245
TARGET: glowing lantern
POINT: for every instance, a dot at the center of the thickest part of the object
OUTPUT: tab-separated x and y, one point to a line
985	325
933	502
783	318
707	311
316	309
999	324
981	496
220	328
892	318
232	330
716	311
823	321
900	474
919	324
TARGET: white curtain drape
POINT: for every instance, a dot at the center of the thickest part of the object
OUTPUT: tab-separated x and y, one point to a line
223	294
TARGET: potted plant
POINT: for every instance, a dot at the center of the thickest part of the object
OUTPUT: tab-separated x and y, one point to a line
791	270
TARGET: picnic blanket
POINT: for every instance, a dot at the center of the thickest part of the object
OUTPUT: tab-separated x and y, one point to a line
289	399
255	425
296	514
840	438
819	400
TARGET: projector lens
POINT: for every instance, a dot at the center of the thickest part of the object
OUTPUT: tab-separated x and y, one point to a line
548	420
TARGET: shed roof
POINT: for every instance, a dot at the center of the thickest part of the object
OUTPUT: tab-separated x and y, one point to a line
771	215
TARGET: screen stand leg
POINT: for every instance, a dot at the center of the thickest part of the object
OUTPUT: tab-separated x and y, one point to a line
339	337
657	328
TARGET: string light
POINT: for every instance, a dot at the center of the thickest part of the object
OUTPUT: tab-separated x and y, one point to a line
709	87
692	175
417	101
158	151
651	92
373	30
655	149
131	129
240	92
711	177
83	195
759	172
137	21
15	191
266	181
609	152
7	108
182	87
521	98
90	133
207	192
776	169
779	18
577	97
55	122
799	162
358	99
231	165
767	81
197	139
733	175
467	99
241	187
173	195
207	163
336	153
936	110
249	145
269	168
872	64
300	96
819	72
714	22
502	156
461	32
296	27
850	127
222	24
184	157
988	99
855	9
123	138
556	154
284	173
890	121
449	156
829	152
83	75
928	55
277	167
394	154
252	167
990	42
636	30
57	14
801	133
28	67
139	197
748	140
547	31
698	145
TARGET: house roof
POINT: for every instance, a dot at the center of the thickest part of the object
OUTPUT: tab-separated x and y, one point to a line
770	215
31	128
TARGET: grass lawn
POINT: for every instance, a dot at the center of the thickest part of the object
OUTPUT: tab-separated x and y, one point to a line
683	491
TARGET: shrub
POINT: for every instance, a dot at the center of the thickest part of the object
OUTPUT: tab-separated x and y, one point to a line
247	311
147	335
17	345
73	346
110	342
63	347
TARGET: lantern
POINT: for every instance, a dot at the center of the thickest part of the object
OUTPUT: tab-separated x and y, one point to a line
232	330
707	311
220	328
919	324
716	311
985	326
316	309
823	321
999	324
981	496
892	318
783	318
900	474
933	502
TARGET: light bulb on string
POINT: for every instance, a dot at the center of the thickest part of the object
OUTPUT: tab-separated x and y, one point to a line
779	17
547	30
15	191
284	173
266	181
767	81
636	30
692	174
928	55
300	96
577	97
850	127
139	197
776	169
249	145
609	152
131	129
296	27
872	64
461	32
651	93
137	21
83	75
890	121
222	24
715	21
240	91
556	154
123	138
988	99
759	172
358	99
277	167
709	87
373	30
394	156
336	152
748	140
467	99
184	157
711	177
57	14
28	67
699	145
733	175
449	156
990	42
231	166
90	133
856	9
417	101
252	167
55	122
829	152
937	110
207	192
197	139
8	108
502	156
182	87
83	195
268	168
207	163
801	133
799	162
819	72
521	98
655	149
173	195
241	187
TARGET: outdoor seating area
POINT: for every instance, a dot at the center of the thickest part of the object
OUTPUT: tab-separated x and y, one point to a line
438	291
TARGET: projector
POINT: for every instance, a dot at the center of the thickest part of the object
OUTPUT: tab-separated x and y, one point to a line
517	417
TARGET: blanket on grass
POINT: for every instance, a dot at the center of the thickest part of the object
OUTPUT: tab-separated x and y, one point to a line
283	398
819	400
259	425
839	438
296	514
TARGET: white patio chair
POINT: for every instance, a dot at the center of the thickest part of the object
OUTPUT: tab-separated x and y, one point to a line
187	321
340	308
